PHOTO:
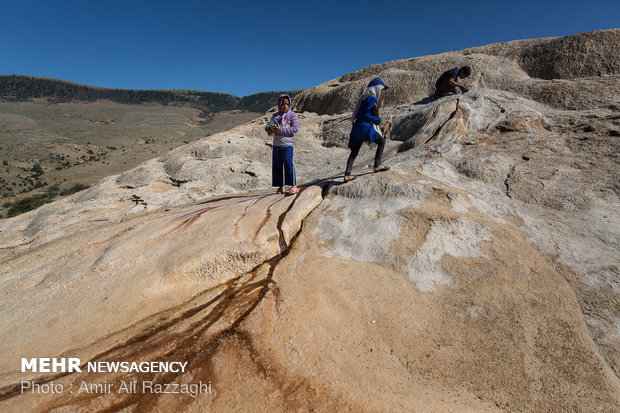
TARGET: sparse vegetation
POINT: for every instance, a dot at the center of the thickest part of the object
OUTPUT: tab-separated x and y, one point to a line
29	203
75	188
32	163
32	202
38	171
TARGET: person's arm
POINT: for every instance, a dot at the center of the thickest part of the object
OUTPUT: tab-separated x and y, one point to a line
291	129
454	83
374	111
371	111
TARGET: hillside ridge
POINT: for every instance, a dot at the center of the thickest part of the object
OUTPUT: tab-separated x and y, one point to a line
18	88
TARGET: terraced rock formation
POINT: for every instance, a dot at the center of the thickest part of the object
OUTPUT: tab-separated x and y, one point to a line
479	274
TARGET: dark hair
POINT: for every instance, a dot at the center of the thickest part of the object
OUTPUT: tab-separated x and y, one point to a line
466	70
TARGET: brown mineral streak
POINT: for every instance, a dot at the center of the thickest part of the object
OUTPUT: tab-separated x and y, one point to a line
267	216
245	211
240	296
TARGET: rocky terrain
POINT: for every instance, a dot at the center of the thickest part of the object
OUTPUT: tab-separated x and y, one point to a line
479	274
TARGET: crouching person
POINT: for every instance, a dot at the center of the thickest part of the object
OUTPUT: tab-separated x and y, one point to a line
448	82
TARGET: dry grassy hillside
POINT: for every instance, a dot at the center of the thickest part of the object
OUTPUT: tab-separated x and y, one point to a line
50	149
57	137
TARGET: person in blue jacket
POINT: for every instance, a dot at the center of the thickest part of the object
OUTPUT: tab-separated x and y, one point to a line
365	117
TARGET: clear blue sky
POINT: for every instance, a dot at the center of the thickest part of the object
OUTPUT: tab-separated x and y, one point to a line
244	47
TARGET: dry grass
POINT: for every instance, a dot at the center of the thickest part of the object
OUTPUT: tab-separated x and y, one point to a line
80	143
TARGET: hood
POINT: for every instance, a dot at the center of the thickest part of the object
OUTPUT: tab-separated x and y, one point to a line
377	81
282	96
374	91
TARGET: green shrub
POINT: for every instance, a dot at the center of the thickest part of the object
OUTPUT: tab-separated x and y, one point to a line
28	204
37	169
75	188
33	202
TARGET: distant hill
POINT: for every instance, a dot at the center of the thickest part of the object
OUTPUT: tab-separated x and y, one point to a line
16	88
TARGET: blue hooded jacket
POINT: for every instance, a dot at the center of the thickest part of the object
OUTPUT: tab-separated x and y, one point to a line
363	130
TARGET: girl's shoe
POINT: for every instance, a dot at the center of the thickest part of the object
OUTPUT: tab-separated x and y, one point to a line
293	190
382	168
349	178
280	190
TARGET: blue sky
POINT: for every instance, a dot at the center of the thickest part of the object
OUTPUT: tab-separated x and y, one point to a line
244	47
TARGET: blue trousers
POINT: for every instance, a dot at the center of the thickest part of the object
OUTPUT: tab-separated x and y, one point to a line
282	159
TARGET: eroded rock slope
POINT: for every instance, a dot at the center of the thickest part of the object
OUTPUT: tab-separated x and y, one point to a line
479	274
